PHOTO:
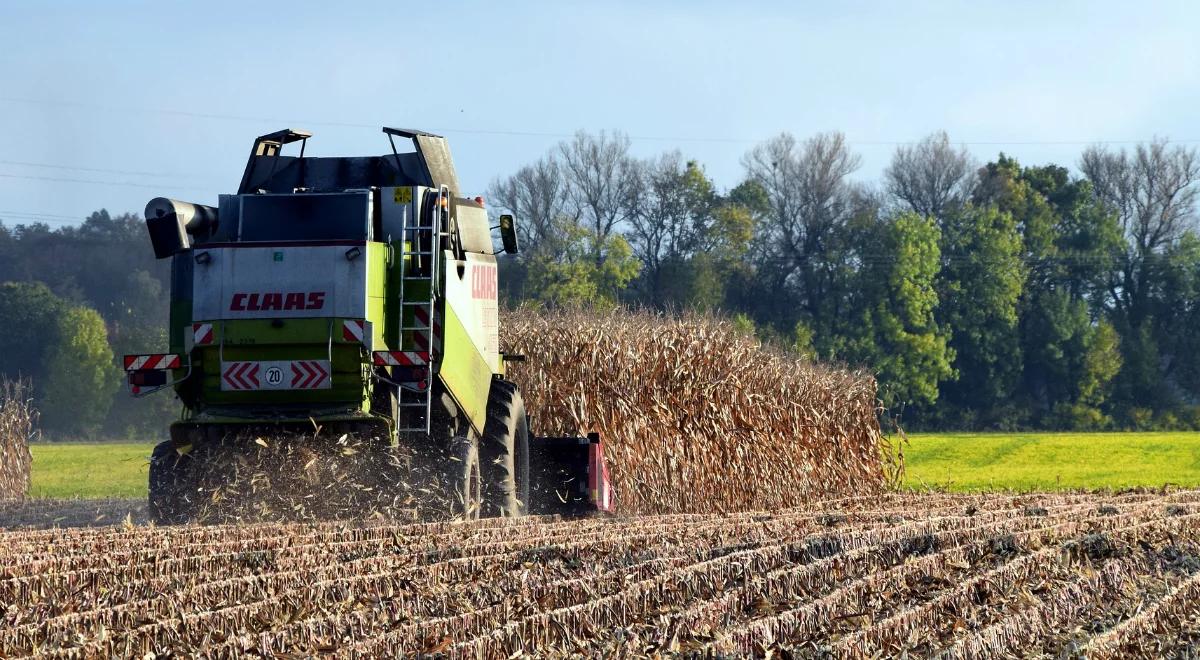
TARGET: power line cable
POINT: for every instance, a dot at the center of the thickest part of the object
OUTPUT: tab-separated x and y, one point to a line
40	214
100	183
26	218
87	169
229	117
42	217
50	218
516	133
21	217
25	222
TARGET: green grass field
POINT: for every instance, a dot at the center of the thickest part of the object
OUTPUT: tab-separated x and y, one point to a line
989	461
107	469
1052	461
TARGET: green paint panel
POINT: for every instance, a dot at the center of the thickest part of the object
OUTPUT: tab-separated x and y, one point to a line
377	275
257	332
377	285
464	372
181	322
293	339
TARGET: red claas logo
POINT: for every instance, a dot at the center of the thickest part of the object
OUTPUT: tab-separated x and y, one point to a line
284	302
483	282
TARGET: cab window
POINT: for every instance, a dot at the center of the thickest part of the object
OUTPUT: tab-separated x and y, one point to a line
306	217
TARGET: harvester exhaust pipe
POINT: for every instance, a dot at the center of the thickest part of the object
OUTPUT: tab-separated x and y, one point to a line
170	222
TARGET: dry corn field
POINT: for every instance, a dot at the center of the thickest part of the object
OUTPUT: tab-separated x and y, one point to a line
688	405
17	419
953	576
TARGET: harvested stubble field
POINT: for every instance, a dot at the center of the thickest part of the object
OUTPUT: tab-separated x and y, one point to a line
949	575
698	421
71	512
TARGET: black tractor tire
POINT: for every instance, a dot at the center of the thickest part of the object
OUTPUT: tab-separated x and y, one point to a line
465	480
168	501
504	453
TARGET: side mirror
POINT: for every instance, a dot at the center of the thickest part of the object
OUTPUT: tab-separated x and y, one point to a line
508	234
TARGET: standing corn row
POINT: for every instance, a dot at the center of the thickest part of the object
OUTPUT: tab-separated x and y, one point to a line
697	417
17	418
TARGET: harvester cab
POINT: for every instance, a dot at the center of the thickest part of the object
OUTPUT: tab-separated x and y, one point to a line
357	295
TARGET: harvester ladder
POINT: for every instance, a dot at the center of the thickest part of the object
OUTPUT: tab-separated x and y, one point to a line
420	244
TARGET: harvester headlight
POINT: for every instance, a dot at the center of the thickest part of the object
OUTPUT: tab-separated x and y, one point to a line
353	253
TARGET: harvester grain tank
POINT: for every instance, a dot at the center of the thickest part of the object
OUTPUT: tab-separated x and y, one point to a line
357	295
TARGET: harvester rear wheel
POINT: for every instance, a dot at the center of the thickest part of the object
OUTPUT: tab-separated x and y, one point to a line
504	453
168	473
465	478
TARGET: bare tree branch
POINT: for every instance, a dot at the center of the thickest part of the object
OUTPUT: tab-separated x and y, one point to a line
602	182
1152	190
670	219
537	196
930	176
810	198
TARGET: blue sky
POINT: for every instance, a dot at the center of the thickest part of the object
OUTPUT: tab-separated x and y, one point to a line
150	98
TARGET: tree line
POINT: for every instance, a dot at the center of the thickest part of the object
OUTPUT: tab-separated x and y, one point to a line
983	296
73	300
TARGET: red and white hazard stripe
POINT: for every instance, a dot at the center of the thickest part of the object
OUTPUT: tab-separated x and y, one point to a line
308	374
155	361
353	330
276	375
202	334
423	335
240	376
401	358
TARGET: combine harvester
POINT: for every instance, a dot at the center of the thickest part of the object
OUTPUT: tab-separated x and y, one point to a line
358	296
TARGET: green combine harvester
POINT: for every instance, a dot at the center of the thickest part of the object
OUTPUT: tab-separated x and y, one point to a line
357	295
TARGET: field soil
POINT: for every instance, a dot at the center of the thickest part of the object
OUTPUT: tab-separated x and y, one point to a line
957	575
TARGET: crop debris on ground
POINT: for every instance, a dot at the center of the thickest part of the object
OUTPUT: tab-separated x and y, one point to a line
900	574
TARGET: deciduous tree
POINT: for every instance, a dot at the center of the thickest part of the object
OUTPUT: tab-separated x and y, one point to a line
982	278
809	201
1153	193
80	376
892	328
930	177
602	184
